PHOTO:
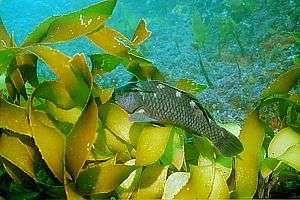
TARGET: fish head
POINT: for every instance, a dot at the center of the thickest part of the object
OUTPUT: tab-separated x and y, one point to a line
128	98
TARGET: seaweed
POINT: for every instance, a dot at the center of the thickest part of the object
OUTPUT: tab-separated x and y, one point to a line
201	35
66	138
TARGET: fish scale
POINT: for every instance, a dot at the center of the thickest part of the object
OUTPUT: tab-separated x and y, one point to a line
174	114
163	104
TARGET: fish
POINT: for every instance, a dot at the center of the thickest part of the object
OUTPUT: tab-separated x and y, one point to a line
157	102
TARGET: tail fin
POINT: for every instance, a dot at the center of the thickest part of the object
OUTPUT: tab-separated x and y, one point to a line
229	145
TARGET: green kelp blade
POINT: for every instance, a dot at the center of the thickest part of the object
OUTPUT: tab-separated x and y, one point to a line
12	91
116	120
295	98
174	152
17	80
189	86
55	92
100	150
247	165
141	33
6	57
27	63
22	69
127	187
224	165
135	132
291	157
152	182
283	83
116	145
220	189
116	44
111	41
81	70
61	92
284	147
201	31
5	38
105	94
54	191
13	150
2	82
200	183
58	102
104	63
14	118
66	27
205	148
143	69
283	140
269	165
152	144
17	174
62	115
82	137
56	60
68	70
71	192
44	131
102	178
39	33
174	184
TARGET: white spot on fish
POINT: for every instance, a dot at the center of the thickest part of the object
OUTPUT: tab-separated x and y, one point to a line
192	104
178	94
155	95
141	111
143	96
160	86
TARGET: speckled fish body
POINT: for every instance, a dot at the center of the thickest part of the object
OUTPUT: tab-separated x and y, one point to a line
160	103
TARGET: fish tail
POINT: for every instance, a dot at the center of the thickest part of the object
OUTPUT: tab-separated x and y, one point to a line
227	143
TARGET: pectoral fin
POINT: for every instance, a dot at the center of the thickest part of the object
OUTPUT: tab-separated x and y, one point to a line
140	116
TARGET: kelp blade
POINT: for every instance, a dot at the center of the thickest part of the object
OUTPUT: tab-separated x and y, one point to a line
247	166
14	118
151	145
81	138
53	153
102	178
13	150
116	119
152	182
73	25
283	140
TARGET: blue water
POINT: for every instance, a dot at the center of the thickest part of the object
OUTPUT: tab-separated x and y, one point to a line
235	89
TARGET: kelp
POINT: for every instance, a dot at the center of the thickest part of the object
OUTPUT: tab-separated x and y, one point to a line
62	28
122	50
283	150
66	138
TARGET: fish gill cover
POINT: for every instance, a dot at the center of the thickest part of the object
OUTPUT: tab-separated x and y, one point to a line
67	138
